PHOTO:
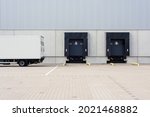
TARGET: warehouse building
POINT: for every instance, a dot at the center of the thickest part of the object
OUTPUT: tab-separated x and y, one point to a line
94	31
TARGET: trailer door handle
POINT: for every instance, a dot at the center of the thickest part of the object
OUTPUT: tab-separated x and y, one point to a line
127	50
66	50
107	50
85	50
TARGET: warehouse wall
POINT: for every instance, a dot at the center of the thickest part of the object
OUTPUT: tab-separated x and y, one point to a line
74	14
54	44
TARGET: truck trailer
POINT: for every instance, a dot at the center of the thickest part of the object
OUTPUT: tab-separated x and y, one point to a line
21	49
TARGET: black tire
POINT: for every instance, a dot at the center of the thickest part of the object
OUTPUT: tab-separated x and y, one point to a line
23	63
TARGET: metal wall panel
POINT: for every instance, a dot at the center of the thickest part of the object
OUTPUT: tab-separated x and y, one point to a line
27	14
143	43
54	44
74	14
92	43
101	43
0	13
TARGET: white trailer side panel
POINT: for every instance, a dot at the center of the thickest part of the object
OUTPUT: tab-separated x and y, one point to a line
20	47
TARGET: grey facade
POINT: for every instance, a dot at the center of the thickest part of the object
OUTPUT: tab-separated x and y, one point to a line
52	18
74	14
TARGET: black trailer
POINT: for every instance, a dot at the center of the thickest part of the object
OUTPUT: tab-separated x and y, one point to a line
117	46
76	46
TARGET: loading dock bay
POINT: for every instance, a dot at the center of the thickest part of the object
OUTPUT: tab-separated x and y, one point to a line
75	81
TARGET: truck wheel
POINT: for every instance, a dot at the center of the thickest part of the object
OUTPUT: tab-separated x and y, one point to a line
22	63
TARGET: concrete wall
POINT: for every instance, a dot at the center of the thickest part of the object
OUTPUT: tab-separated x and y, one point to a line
54	44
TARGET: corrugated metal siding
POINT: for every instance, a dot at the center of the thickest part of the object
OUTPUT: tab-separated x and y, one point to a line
0	13
74	14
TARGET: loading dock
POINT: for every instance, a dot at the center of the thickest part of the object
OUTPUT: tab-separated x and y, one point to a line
76	47
117	46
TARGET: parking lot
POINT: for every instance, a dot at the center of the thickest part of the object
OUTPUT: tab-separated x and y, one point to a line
75	82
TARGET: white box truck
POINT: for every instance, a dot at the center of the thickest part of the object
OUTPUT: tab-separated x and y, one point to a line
21	49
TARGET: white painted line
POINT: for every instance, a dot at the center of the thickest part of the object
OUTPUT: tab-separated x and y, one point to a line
50	71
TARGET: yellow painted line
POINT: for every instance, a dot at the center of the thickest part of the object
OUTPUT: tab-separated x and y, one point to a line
88	64
135	63
112	64
64	64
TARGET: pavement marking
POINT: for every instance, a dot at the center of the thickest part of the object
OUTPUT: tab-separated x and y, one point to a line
135	63
112	64
88	64
64	64
46	74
